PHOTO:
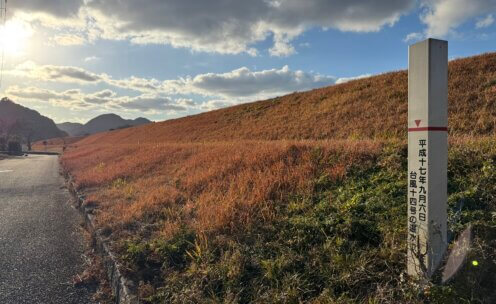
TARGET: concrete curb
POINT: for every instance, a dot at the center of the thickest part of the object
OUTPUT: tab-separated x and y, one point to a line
41	153
124	290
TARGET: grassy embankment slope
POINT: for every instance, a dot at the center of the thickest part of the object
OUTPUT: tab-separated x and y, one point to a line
299	198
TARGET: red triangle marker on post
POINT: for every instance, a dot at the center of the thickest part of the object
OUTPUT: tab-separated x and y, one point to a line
417	122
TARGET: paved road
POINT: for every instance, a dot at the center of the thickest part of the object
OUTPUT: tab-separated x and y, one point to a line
40	243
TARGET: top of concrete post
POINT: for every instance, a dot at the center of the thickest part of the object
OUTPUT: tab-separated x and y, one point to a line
427	81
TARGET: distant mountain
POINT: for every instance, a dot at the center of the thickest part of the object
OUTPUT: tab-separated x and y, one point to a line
29	124
70	128
101	123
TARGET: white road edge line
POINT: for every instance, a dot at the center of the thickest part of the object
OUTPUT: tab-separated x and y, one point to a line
6	171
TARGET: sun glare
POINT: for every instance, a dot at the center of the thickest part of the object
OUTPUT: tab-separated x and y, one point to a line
14	37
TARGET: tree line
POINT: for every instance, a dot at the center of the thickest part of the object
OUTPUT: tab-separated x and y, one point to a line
13	134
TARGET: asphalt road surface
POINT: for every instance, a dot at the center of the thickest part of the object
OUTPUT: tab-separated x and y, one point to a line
40	241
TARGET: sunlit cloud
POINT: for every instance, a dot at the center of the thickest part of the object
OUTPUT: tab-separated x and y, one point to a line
106	99
69	99
442	17
214	26
485	22
70	74
91	59
68	40
413	37
100	97
237	83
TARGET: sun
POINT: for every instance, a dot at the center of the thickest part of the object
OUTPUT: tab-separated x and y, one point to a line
14	37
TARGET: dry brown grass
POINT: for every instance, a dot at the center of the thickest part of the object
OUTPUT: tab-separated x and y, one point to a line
55	144
208	186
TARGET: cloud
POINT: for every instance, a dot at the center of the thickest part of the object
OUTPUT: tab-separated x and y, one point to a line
58	8
187	102
167	96
239	83
69	99
105	94
72	74
225	27
282	44
233	27
68	39
244	82
100	97
106	99
211	105
443	16
346	79
486	22
57	73
37	93
135	83
91	58
149	103
412	37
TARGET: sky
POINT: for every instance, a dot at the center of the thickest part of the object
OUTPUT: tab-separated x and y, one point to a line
72	60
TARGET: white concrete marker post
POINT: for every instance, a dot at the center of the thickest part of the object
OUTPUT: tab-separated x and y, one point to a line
427	156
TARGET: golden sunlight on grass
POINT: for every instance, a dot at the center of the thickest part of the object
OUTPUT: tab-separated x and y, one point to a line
210	186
